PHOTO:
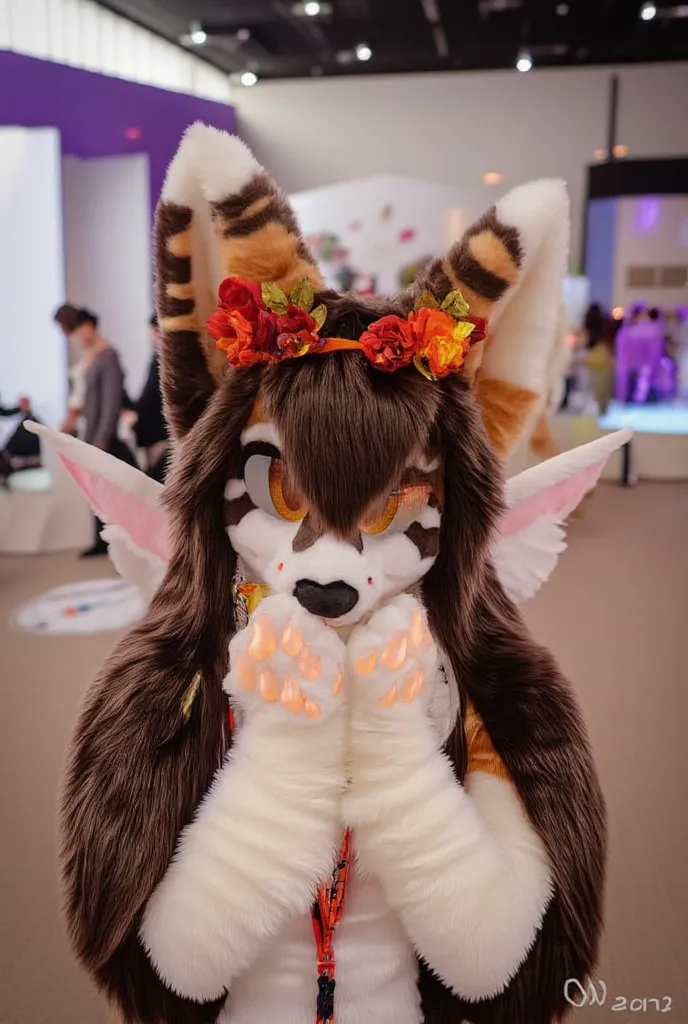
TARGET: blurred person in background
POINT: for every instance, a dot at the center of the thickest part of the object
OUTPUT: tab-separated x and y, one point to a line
103	398
150	427
18	448
66	319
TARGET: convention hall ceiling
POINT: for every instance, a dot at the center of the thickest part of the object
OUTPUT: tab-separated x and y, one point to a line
300	38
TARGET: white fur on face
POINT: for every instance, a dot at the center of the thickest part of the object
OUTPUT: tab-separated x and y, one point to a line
388	564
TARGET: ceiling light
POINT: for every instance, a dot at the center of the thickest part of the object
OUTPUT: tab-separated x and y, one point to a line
600	154
197	34
243	35
525	61
620	151
648	11
617	313
492	177
562	10
363	51
311	8
248	78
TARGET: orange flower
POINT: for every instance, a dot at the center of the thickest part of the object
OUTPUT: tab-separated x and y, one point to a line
244	343
442	343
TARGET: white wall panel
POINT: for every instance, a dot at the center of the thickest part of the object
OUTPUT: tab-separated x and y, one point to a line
5	33
107	251
34	359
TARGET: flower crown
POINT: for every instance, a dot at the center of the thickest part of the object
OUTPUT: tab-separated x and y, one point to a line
259	323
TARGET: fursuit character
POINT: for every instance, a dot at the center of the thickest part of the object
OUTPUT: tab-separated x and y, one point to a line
329	775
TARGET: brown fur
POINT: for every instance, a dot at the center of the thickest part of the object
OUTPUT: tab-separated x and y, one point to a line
187	381
506	408
138	769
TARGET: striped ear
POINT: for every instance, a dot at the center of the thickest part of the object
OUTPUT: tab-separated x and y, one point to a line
220	215
510	266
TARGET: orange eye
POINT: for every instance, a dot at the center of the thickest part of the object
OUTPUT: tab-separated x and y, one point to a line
399	511
284	497
378	523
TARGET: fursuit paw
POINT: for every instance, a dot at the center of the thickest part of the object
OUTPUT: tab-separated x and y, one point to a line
392	660
286	661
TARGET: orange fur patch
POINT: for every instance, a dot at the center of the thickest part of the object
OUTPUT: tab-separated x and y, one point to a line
268	254
256	207
542	444
505	409
258	414
180	245
491	253
482	756
181	291
173	324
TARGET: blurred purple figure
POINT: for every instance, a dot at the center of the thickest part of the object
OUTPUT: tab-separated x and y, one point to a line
639	350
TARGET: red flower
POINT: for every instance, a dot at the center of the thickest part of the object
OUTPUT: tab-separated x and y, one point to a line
479	332
389	343
295	320
241	297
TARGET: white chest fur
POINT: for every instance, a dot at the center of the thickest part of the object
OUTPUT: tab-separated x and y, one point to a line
376	969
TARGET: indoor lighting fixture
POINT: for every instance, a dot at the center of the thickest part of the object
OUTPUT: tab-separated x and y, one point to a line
648	11
243	35
248	78
524	62
492	177
197	34
617	313
311	8
600	154
620	151
562	10
363	51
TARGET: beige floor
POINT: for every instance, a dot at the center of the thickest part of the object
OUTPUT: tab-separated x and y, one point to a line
614	613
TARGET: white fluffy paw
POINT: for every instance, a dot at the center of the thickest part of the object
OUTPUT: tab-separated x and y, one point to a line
286	660
392	660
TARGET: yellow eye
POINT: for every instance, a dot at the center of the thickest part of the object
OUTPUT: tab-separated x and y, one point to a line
285	500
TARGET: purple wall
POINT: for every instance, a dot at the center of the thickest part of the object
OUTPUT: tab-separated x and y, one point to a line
96	114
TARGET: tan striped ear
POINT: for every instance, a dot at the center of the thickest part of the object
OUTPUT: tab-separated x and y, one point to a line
509	266
220	215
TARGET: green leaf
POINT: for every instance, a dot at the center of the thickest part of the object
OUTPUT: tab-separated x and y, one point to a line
455	305
274	298
426	300
303	295
319	314
421	365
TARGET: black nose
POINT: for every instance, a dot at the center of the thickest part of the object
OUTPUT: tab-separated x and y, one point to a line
330	600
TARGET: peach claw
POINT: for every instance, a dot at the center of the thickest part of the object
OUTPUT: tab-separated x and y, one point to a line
292	641
338	684
263	643
292	698
246	673
366	664
394	654
417	629
309	664
412	686
390	697
310	708
268	685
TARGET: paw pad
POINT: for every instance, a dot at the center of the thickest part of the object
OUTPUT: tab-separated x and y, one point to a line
272	685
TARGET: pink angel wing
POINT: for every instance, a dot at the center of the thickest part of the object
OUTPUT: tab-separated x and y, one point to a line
127	501
539	500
